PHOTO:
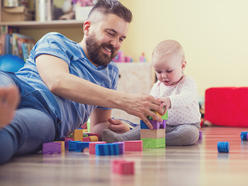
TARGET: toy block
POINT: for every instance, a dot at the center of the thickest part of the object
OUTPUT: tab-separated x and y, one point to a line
223	146
86	139
153	143
243	135
80	146
152	133
78	134
51	148
107	149
85	130
93	134
121	147
62	144
122	167
165	117
143	125
158	125
93	138
72	145
92	146
67	143
136	145
85	135
72	139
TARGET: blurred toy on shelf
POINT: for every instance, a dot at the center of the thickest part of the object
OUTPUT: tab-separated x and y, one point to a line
142	58
122	58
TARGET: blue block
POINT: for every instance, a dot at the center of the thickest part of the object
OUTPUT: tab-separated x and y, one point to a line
107	149
72	145
80	146
143	125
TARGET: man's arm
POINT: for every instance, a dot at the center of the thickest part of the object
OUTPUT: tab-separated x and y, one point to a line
55	73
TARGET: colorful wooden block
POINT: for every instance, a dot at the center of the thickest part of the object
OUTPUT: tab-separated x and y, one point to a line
92	146
92	134
107	149
67	143
93	138
121	147
78	134
136	145
165	117
51	148
62	144
122	167
153	143
86	139
143	125
80	146
158	125
72	145
152	133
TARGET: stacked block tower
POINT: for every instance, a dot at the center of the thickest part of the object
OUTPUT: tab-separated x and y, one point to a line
154	138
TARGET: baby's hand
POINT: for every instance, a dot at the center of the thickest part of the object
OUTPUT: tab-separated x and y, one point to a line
165	102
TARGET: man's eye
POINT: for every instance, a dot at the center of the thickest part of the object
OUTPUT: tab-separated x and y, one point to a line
109	33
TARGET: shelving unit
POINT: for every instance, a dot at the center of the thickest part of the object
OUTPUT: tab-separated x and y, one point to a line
73	29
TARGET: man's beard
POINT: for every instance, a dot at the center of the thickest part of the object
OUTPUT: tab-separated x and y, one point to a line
96	55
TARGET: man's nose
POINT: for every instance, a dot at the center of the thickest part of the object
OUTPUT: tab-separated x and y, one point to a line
115	43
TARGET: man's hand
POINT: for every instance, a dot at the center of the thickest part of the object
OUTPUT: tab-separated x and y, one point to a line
117	126
141	105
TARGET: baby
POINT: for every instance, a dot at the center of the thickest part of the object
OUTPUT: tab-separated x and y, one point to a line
176	92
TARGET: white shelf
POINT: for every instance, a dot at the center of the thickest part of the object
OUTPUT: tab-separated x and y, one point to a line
45	24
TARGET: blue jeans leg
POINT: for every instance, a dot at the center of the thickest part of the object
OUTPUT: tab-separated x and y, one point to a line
26	133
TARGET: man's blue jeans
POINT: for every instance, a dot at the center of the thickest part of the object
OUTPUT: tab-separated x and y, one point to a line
26	133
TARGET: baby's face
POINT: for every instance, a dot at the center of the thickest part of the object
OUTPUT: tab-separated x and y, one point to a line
169	68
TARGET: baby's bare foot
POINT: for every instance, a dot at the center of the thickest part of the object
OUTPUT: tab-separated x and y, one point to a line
9	99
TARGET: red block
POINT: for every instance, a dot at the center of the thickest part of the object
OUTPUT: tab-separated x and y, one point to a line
92	149
136	145
122	167
227	106
86	139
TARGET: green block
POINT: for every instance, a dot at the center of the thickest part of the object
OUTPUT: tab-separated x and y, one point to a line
153	143
165	117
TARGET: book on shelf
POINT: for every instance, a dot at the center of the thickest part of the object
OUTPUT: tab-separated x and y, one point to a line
15	43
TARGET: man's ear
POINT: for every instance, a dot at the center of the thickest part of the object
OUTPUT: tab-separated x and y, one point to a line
87	25
184	63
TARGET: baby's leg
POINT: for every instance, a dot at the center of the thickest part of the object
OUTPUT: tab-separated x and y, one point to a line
186	134
110	136
9	99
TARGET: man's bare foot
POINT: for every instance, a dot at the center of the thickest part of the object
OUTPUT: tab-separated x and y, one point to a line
9	100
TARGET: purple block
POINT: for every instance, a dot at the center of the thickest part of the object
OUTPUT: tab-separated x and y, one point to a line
51	148
121	147
66	144
200	135
158	125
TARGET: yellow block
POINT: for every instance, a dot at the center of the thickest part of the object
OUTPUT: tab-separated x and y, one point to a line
94	138
78	135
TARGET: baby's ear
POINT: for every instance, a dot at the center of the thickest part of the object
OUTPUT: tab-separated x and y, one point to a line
184	63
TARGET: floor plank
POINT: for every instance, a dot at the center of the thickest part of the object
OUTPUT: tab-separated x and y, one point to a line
200	164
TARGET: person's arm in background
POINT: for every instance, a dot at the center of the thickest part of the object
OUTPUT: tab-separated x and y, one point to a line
55	73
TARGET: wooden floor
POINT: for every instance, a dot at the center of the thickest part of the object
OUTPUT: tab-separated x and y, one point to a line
197	165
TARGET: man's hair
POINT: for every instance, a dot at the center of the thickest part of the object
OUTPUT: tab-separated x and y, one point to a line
112	7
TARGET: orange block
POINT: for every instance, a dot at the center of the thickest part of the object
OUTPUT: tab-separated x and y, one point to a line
78	135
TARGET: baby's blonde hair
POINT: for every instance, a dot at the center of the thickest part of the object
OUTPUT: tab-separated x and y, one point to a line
168	47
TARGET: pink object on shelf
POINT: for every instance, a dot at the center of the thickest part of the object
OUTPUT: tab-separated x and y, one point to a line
136	145
92	149
122	167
